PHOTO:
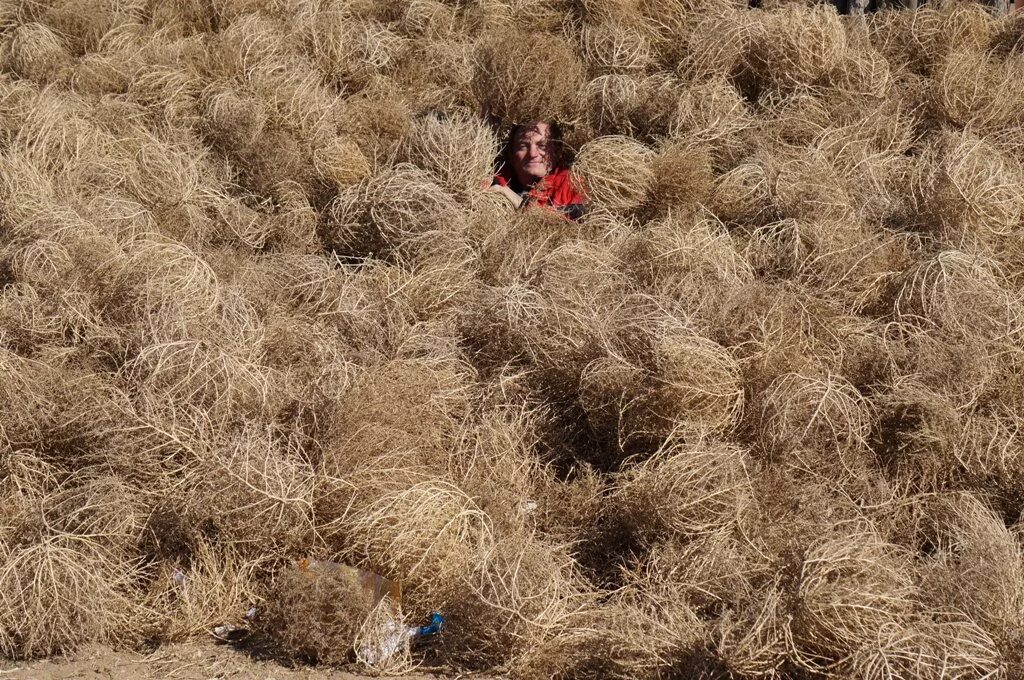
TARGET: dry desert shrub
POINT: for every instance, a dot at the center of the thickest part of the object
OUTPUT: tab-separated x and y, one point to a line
753	415
378	125
184	18
933	643
924	436
427	535
845	260
795	46
741	195
652	116
683	177
235	118
429	18
495	461
695	384
796	504
636	633
60	592
850	588
992	454
715	573
383	211
612	47
26	481
99	74
170	84
774	329
689	262
213	383
919	430
690	384
101	508
699	40
522	592
713	113
920	40
374	644
977	92
441	267
84	24
190	593
616	172
805	185
348	51
1007	34
23	308
967	370
632	104
154	274
314	612
969	561
963	189
866	73
68	417
458	150
309	285
821	414
522	77
749	639
610	103
407	406
437	74
341	161
871	161
684	490
959	294
580	307
497	594
36	52
254	491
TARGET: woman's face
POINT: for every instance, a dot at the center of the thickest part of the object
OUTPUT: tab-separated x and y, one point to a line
533	153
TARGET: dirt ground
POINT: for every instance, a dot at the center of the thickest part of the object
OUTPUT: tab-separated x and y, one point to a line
181	662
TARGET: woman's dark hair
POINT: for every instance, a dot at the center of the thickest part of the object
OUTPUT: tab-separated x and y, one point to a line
561	152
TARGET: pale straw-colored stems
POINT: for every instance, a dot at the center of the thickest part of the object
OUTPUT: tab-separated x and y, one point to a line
965	188
615	171
753	640
612	101
825	413
215	586
686	490
935	644
849	588
58	593
172	275
458	150
424	527
962	294
270	487
36	52
615	47
103	509
187	374
527	583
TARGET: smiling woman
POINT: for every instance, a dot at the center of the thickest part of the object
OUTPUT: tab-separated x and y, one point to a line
533	170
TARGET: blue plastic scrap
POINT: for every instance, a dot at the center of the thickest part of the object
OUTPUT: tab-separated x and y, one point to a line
435	625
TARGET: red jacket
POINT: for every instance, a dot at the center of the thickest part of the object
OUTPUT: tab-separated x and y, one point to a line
555	191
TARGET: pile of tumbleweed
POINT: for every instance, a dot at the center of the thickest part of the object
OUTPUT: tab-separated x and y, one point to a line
758	413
